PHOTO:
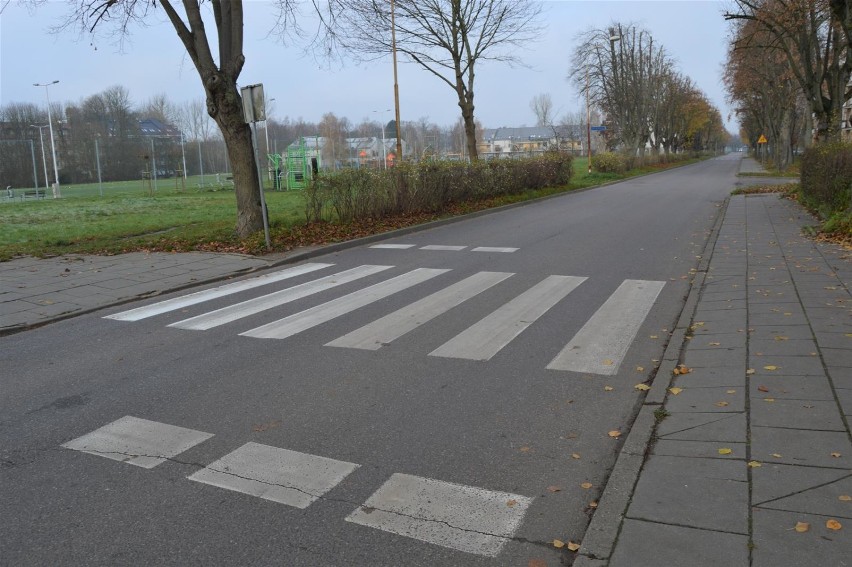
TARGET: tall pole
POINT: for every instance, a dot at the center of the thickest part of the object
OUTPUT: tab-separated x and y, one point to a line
200	162
154	165
43	157
588	122
183	154
57	192
35	170
395	85
98	161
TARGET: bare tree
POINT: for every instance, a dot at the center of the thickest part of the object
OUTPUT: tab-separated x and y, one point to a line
542	107
448	38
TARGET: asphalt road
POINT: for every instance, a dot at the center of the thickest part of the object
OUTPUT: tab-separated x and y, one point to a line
397	457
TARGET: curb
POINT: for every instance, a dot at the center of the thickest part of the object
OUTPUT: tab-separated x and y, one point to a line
602	533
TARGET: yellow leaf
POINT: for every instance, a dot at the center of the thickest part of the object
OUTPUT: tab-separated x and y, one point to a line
608	388
731	392
721	404
558	544
754	464
715	344
770	367
684	369
676	372
675	391
776	455
750	371
511	503
575	455
614	433
833	525
654	336
586	485
802	527
780	338
572	546
593	504
639	369
642	387
607	362
845	498
725	451
768	399
836	455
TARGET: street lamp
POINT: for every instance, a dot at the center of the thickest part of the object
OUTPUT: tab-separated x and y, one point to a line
57	192
395	86
384	147
43	158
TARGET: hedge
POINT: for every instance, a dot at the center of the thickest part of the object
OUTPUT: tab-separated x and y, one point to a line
826	177
356	194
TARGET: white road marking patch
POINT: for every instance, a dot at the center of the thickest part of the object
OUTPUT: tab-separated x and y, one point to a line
600	346
280	475
494	249
258	304
393	246
310	318
208	294
138	441
441	247
391	327
465	518
487	337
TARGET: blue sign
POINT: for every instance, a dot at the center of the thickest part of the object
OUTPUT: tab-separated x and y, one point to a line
598	128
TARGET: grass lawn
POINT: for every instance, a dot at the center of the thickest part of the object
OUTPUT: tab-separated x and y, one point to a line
129	218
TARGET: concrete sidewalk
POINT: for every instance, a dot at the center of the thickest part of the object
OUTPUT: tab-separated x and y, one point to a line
754	439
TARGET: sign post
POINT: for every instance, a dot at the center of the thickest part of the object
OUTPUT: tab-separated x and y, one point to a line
254	110
761	143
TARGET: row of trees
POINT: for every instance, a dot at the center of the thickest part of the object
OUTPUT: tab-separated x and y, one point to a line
788	71
108	124
647	102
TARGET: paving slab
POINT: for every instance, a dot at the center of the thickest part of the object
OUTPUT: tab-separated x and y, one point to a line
776	542
703	427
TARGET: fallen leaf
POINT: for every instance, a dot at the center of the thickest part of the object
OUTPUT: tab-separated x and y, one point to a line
593	504
675	391
721	404
770	400
642	387
676	372
684	369
586	485
762	388
845	498
776	455
754	464
511	503
802	527
558	544
654	337
781	338
525	449
725	451
553	489
608	362
770	367
575	455
614	433
836	455
715	344
572	546
640	369
833	525
731	392
750	371
608	388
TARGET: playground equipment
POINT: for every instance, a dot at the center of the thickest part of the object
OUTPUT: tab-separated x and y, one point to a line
303	164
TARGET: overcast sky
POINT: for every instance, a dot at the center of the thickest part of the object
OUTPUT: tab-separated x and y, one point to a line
153	61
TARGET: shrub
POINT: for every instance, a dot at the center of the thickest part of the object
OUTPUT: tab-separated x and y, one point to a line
428	187
826	177
609	162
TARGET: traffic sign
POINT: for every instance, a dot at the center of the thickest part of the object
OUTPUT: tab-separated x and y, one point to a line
598	128
762	139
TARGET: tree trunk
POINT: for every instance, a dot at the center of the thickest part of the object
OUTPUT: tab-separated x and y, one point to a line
225	107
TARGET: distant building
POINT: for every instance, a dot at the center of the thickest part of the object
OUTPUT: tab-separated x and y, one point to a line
530	139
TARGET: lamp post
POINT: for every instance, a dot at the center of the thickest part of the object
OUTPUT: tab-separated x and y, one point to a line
43	158
395	85
57	192
266	134
384	147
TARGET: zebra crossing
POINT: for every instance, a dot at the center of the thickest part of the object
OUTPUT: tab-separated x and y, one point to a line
464	518
597	348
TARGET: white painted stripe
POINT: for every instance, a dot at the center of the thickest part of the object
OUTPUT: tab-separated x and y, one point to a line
398	323
464	518
393	246
280	475
310	318
138	441
494	249
600	346
258	304
441	247
208	294
485	339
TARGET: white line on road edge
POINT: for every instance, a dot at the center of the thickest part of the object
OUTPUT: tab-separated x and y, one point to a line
600	346
485	339
208	294
310	318
258	304
465	518
393	246
494	249
442	247
390	327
